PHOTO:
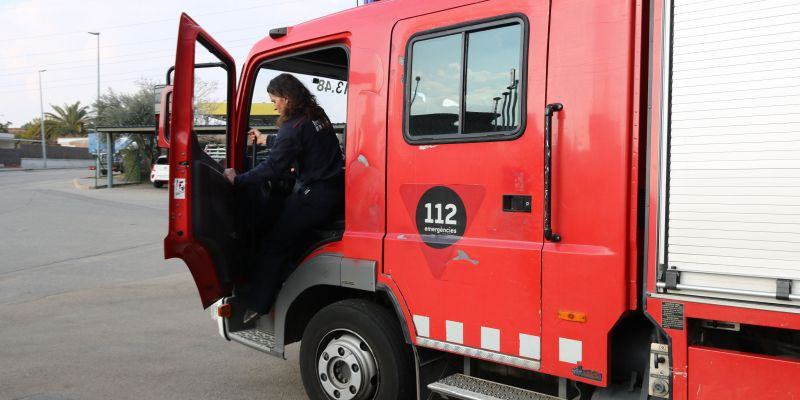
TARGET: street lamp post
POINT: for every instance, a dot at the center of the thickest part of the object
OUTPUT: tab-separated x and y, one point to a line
97	103
41	116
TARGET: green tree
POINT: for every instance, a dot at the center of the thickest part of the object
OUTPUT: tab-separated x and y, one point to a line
130	110
4	126
138	157
133	110
126	110
69	120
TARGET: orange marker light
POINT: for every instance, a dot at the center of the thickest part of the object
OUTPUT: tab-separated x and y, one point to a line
572	316
224	311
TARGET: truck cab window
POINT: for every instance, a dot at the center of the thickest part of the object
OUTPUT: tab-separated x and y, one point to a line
435	103
465	84
324	72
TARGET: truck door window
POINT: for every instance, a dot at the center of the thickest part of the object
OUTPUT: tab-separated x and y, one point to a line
493	69
324	72
435	103
210	106
466	84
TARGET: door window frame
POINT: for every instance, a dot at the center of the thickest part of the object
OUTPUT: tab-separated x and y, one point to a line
464	29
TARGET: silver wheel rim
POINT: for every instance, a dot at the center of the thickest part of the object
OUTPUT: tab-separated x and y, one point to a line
346	367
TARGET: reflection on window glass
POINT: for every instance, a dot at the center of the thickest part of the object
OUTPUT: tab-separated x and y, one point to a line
490	95
493	65
435	86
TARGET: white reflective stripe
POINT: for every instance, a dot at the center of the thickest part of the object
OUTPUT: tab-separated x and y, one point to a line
422	324
529	346
454	331
490	338
570	351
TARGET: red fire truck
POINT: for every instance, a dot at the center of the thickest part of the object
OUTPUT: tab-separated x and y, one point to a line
544	199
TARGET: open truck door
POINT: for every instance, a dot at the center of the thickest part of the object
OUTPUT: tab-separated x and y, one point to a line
201	221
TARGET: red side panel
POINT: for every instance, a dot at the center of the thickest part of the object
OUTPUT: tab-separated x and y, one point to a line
687	368
590	71
720	374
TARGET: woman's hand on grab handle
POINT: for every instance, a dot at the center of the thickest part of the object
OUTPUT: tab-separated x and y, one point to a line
230	174
255	134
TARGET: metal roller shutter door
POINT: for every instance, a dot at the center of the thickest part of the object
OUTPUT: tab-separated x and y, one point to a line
734	148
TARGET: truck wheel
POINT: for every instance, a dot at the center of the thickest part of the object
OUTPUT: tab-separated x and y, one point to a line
158	184
353	350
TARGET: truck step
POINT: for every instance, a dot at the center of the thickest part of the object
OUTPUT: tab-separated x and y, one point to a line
256	338
461	386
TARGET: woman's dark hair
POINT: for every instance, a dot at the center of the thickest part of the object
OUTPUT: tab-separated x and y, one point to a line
300	101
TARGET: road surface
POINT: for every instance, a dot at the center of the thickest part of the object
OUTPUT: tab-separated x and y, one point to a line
89	309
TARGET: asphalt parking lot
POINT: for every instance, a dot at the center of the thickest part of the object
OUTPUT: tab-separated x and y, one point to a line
90	309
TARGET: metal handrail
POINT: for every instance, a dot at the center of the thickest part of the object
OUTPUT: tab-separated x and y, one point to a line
741	292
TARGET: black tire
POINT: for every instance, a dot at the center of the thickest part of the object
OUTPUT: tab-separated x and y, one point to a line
158	184
378	329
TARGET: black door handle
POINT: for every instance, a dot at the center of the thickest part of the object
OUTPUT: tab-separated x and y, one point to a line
549	110
516	203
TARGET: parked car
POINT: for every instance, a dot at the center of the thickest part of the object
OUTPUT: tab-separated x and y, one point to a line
116	165
159	173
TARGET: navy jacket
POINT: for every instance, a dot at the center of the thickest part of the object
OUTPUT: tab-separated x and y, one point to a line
314	148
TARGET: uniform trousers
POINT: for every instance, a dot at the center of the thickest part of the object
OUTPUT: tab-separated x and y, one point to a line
307	208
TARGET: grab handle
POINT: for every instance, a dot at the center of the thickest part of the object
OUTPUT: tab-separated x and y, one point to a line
549	110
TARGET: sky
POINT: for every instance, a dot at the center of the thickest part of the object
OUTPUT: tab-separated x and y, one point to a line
137	41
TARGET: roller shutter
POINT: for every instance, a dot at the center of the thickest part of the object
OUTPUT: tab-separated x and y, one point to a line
733	188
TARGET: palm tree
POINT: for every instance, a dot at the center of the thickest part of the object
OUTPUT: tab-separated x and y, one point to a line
71	119
33	130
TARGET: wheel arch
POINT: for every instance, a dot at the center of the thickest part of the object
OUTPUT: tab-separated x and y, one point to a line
324	280
309	303
316	283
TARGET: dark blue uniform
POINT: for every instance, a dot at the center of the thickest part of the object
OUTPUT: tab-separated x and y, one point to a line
319	198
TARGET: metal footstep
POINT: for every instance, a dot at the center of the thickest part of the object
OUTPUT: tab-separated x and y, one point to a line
256	338
461	386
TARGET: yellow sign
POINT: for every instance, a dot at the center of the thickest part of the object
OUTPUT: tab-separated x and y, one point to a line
221	109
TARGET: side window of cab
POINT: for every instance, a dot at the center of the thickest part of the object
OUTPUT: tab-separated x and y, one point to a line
466	84
324	72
